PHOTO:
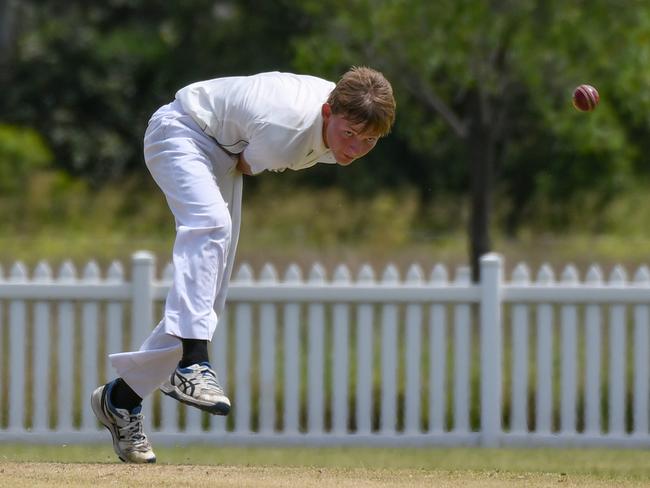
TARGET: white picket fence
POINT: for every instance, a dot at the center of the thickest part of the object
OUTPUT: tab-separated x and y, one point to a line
423	361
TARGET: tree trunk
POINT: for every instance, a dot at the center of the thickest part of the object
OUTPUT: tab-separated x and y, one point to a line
481	156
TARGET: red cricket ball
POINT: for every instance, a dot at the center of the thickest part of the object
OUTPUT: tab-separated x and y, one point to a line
585	98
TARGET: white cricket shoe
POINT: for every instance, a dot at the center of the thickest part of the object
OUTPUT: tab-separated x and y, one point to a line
129	441
197	386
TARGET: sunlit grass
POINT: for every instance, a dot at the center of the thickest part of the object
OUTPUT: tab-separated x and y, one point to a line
600	463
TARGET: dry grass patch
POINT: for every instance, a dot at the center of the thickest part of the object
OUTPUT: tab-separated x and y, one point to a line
14	474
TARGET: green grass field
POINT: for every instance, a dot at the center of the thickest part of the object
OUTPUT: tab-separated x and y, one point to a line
197	465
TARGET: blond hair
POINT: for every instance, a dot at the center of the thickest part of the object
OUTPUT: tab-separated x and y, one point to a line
364	96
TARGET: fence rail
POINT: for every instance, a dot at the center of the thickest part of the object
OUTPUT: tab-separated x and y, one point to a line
426	360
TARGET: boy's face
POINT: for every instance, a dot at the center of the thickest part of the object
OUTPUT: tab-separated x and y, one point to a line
344	139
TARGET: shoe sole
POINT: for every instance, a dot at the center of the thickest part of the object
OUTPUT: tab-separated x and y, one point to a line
218	408
96	400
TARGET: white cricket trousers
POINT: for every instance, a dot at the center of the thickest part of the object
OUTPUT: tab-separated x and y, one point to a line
203	190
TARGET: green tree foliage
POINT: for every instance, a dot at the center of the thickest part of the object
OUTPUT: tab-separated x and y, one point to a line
22	151
484	90
87	75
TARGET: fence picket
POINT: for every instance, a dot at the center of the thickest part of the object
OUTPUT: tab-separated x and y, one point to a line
462	356
193	420
42	356
520	356
389	343
593	365
617	335
340	358
641	373
114	321
315	355
413	357
267	355
569	351
89	341
292	356
437	367
544	398
365	319
67	352
243	337
18	352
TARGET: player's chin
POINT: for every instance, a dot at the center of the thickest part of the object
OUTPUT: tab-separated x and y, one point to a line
344	161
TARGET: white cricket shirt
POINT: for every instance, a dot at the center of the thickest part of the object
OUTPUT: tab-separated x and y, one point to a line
273	118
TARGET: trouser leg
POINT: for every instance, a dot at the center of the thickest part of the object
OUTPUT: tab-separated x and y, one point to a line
203	192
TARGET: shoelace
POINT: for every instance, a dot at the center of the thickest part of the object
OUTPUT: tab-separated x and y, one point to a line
210	377
133	432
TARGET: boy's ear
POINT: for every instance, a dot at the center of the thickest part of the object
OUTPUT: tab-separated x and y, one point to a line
326	110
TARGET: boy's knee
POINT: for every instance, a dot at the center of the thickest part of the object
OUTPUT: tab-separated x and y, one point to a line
215	220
